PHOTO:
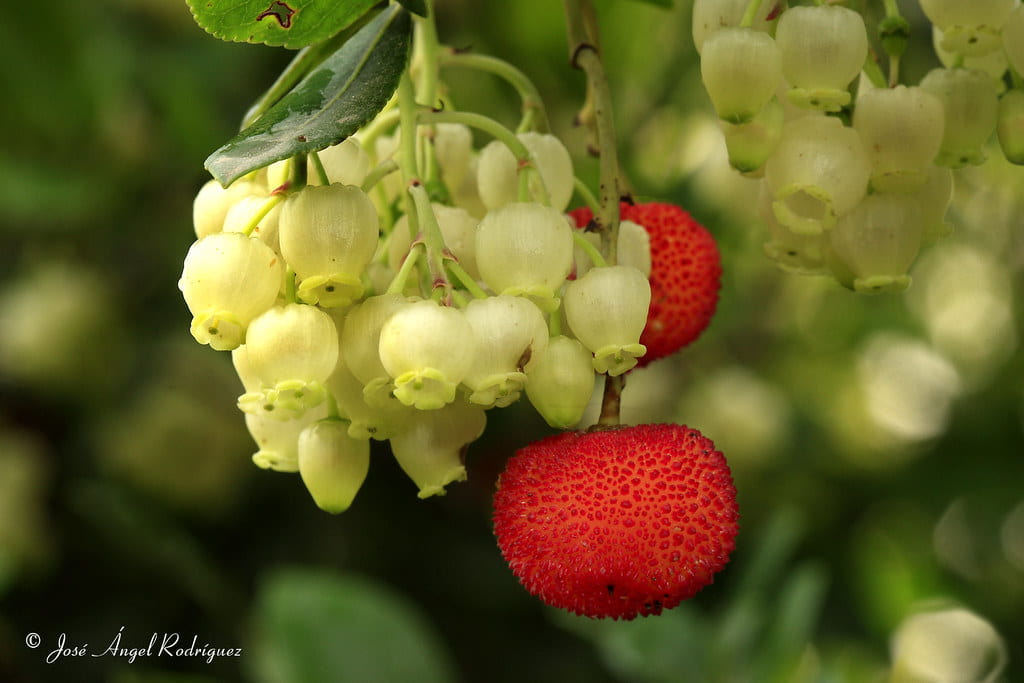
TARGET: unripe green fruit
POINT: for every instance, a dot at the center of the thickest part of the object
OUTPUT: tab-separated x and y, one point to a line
823	49
971	108
525	249
740	68
1011	126
878	240
498	171
818	172
607	311
328	234
428	349
901	129
431	445
561	382
227	280
333	465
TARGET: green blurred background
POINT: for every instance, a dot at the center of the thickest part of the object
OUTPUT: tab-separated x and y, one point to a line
877	443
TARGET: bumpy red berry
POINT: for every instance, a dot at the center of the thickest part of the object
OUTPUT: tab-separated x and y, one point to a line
617	523
686	272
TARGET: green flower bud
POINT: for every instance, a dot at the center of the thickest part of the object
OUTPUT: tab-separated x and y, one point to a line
333	465
818	172
894	32
328	235
1010	126
901	129
740	68
228	279
525	249
750	144
497	171
431	446
971	108
823	49
428	349
561	382
607	311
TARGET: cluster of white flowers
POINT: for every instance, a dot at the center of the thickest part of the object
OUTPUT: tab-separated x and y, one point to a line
346	323
857	198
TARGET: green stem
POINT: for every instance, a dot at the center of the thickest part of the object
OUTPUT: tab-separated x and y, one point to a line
381	171
267	207
748	16
321	172
555	323
384	122
533	105
584	55
332	407
428	52
611	400
407	128
588	197
432	238
589	249
874	72
289	282
465	279
397	285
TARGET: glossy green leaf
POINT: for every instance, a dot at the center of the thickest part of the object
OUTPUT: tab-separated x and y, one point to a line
340	95
415	6
315	626
288	23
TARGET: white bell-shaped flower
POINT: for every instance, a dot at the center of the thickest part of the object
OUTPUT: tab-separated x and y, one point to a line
453	147
431	446
228	279
498	171
792	252
278	440
1010	126
214	200
971	109
345	163
994	63
458	228
633	249
750	144
379	421
818	172
332	464
969	28
428	349
878	241
1013	38
901	129
525	249
360	342
510	331
328	234
950	644
740	68
561	382
711	16
823	49
292	349
607	310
